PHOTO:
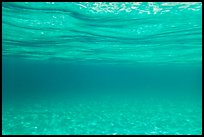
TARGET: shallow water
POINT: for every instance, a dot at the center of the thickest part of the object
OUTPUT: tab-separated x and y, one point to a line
102	68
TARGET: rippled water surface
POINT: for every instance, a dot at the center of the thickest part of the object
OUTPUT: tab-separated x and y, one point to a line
103	32
102	67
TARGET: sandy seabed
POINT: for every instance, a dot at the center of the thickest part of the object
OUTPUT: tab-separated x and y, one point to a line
104	117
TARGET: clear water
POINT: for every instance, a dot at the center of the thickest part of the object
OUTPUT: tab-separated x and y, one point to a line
102	68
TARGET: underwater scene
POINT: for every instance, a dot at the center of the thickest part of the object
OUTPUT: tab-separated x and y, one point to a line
101	68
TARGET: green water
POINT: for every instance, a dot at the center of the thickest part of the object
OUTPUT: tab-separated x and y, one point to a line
102	68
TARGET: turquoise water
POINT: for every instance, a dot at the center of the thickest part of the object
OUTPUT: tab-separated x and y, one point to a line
102	68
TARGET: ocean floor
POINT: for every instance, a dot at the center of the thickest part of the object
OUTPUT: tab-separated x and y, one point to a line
150	116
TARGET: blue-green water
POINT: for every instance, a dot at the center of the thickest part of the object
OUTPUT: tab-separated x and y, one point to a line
102	68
